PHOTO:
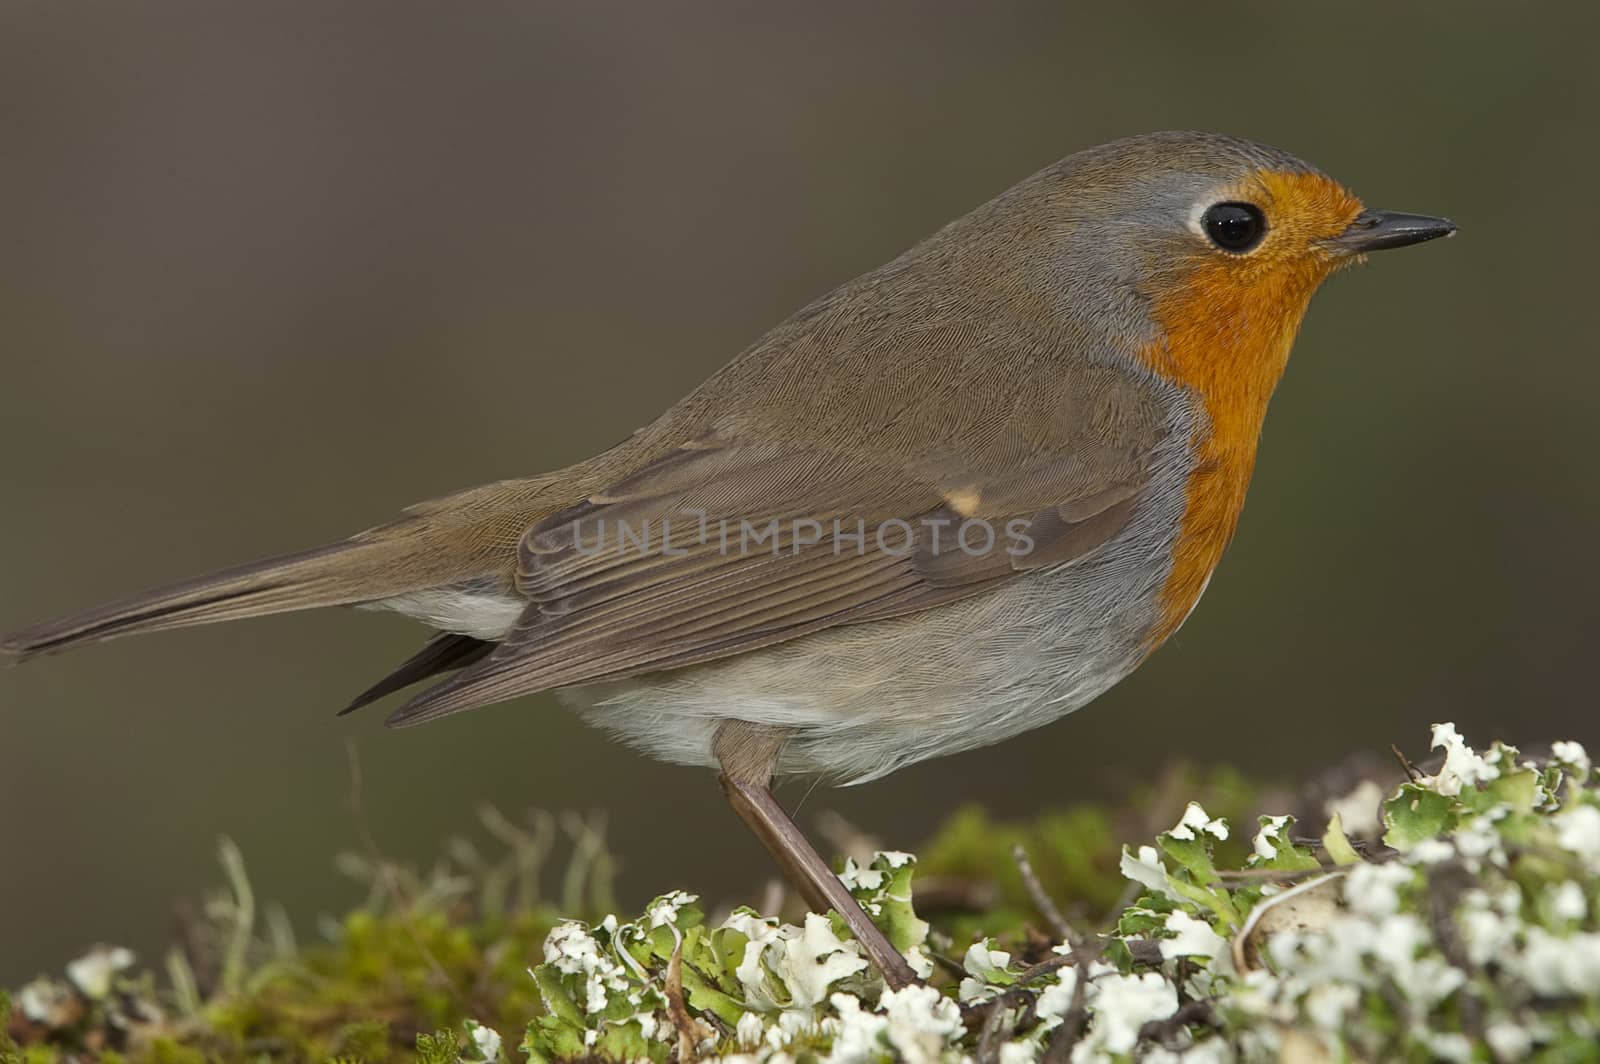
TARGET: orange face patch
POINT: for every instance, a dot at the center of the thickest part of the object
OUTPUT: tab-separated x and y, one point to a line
1228	324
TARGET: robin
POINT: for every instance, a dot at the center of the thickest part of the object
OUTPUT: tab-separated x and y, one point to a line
950	501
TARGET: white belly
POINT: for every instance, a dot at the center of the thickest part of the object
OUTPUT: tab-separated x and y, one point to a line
480	614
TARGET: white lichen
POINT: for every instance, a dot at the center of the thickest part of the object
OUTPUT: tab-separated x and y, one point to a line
1572	754
923	1024
985	967
750	1030
856	877
663	912
1267	838
1463	766
574	951
94	972
1578	832
1195	819
1373	890
805	961
1124	1004
1359	810
43	999
1192	937
1359	953
1146	868
486	1041
1567	901
1554	965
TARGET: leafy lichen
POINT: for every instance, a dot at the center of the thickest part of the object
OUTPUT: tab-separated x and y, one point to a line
1471	932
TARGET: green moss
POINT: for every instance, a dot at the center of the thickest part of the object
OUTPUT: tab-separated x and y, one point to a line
10	1052
384	979
440	1047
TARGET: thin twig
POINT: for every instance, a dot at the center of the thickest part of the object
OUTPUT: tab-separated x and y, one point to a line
1143	951
1059	1051
1084	953
1166	1033
677	1009
1272	875
948	963
1405	763
1045	967
1041	898
989	1039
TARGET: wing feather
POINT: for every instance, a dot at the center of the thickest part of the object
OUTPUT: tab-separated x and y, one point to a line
605	606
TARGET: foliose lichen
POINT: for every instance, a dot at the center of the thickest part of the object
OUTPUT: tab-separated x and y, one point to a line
1455	917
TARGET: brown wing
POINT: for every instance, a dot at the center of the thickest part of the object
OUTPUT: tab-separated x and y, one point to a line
726	546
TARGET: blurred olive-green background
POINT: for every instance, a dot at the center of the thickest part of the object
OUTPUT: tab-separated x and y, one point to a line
270	271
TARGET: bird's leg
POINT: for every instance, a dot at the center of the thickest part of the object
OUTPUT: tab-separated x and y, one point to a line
748	753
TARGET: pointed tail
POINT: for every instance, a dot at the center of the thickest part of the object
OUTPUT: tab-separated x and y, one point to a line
344	573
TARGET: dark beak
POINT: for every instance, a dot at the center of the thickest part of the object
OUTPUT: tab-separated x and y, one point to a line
1376	230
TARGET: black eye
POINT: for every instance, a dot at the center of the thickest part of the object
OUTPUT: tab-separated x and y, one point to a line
1235	227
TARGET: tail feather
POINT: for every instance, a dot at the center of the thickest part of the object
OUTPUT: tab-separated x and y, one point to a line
442	653
326	576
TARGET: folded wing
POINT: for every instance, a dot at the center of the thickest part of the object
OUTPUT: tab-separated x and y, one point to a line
725	546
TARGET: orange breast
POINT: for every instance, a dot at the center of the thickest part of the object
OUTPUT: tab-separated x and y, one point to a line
1228	329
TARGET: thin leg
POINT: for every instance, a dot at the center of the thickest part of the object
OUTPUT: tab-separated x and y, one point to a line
747	758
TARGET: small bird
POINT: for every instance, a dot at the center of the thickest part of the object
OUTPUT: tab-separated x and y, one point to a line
948	502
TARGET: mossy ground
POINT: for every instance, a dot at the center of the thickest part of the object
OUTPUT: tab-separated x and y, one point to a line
438	966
